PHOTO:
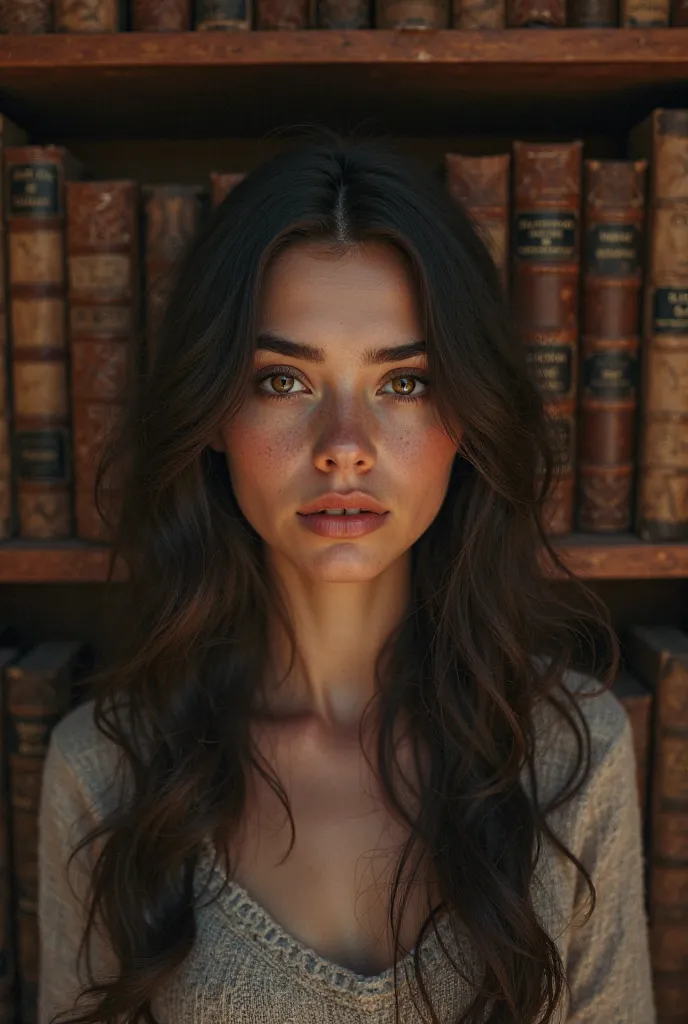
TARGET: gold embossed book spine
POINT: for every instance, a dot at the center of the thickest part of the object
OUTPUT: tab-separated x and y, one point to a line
41	421
482	185
545	282
89	16
662	492
614	221
103	267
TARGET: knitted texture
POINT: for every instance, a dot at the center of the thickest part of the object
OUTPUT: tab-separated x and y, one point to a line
245	968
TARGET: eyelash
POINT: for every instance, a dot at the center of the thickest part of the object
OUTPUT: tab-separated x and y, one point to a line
286	371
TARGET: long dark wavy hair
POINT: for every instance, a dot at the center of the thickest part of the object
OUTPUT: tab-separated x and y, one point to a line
491	631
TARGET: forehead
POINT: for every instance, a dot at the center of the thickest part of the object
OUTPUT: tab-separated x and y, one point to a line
368	288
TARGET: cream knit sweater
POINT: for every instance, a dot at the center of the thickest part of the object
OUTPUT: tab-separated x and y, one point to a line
246	969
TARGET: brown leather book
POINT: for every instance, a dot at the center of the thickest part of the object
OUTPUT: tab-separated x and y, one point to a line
221	183
644	13
8	955
535	13
614	219
658	655
662	498
470	15
679	13
172	216
424	14
26	17
592	13
482	185
282	15
10	135
41	423
89	16
161	15
546	204
222	15
104	299
343	14
38	694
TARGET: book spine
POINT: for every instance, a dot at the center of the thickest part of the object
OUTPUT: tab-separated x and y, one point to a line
221	184
545	285
471	15
535	13
662	499
593	13
102	261
26	17
679	13
614	216
639	711
644	13
415	14
220	15
282	15
8	951
34	201
481	185
89	15
161	15
172	216
343	14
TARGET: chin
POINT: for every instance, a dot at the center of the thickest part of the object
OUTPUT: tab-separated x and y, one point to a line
345	563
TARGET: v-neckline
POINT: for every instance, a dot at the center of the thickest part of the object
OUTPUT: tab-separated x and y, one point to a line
241	909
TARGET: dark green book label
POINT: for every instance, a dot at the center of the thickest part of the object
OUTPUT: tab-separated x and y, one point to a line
34	190
670	312
546	236
610	375
42	455
551	365
614	249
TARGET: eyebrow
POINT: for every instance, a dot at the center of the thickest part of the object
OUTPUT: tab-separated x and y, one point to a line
270	342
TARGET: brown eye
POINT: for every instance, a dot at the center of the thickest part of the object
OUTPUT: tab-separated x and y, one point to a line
284	383
406	385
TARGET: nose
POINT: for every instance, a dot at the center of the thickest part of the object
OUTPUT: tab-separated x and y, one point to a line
345	442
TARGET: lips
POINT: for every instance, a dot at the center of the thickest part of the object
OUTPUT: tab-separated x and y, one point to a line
341	502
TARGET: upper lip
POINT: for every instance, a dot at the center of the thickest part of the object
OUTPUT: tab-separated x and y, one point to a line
351	499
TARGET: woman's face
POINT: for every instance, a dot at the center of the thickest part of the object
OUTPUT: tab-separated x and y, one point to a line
342	421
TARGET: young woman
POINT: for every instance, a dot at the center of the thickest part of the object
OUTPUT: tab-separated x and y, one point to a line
340	768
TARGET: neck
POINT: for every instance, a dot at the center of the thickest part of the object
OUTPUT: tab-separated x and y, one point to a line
339	630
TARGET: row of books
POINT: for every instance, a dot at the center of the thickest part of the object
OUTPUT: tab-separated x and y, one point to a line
40	16
594	260
42	682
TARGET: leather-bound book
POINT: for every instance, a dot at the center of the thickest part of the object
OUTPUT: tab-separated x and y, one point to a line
662	492
222	15
636	699
679	13
477	14
8	954
546	201
535	13
89	15
10	135
161	15
221	183
614	219
415	14
644	13
282	15
482	185
659	657
26	17
104	299
39	689
343	14
41	424
593	13
172	216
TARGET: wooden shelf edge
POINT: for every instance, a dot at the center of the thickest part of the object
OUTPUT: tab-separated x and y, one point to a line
137	50
588	556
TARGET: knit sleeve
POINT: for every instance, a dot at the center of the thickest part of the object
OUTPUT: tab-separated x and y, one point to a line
64	817
608	962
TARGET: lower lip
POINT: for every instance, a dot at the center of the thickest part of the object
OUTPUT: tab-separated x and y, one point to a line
344	526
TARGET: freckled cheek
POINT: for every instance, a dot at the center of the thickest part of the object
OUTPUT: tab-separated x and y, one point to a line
262	461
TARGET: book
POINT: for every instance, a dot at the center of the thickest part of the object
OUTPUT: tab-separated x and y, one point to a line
221	183
282	15
223	15
343	14
104	302
535	13
545	275
89	15
662	493
614	220
482	184
161	15
8	953
644	13
26	17
592	13
470	15
41	424
415	14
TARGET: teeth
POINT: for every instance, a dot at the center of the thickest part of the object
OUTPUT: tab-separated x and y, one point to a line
342	511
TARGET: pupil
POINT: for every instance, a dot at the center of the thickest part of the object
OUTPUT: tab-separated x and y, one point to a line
406	384
282	386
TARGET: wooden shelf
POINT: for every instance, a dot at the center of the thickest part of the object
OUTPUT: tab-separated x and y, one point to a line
408	82
590	556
